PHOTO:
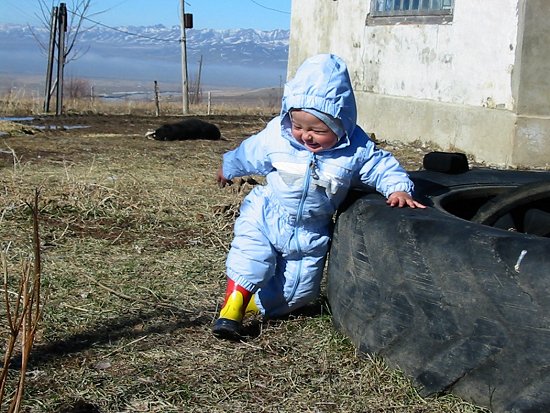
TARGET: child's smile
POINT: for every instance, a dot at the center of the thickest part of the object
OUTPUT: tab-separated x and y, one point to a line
311	132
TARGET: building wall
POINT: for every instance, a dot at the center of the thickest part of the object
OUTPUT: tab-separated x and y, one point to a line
459	85
532	137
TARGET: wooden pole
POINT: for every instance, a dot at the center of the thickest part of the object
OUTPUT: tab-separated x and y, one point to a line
51	57
184	82
62	21
92	97
198	87
157	106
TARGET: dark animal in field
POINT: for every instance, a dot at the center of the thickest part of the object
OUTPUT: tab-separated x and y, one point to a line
188	129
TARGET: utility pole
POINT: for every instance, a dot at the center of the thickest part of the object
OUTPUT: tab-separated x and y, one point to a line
58	28
51	58
197	94
62	21
184	82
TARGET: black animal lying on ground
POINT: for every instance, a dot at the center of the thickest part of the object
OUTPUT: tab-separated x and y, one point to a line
188	129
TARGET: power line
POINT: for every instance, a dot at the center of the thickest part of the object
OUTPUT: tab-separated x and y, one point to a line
23	11
269	8
154	37
124	31
114	6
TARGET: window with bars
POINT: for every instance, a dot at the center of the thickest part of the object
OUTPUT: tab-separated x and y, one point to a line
410	11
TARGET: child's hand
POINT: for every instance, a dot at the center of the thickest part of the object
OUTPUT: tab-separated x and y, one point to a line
222	181
401	199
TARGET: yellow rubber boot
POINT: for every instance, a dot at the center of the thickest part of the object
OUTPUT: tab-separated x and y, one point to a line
228	325
233	307
251	308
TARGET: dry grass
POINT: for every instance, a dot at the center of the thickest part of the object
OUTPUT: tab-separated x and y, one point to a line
239	102
134	236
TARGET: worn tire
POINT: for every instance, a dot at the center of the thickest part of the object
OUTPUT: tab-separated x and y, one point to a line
517	205
456	305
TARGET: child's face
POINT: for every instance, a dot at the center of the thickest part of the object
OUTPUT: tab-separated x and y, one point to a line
311	132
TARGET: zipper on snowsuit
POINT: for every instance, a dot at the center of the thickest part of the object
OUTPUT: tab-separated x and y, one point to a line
310	173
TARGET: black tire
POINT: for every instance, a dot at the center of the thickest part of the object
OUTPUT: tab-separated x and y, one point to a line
458	306
531	199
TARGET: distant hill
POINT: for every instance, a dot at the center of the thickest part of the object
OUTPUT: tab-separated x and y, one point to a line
145	52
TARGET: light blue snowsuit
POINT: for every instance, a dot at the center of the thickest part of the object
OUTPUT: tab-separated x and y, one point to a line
284	228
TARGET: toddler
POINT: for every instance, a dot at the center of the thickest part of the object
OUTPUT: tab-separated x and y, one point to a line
311	155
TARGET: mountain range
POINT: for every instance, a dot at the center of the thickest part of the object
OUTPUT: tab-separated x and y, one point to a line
238	57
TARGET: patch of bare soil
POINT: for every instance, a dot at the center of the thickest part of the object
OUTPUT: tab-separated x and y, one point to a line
232	127
134	234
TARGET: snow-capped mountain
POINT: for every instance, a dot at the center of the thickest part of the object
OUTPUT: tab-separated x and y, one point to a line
151	51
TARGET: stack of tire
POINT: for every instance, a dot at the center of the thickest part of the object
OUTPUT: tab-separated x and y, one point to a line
457	295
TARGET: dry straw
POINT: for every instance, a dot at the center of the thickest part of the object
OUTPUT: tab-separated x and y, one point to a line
22	316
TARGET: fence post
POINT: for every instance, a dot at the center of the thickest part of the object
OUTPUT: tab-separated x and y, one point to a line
157	105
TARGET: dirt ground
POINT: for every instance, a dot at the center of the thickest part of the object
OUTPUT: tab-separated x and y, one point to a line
132	126
232	127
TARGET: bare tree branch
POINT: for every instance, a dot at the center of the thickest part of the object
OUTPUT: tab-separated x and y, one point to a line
78	10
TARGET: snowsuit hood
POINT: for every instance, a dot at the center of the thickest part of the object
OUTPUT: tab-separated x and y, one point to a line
322	82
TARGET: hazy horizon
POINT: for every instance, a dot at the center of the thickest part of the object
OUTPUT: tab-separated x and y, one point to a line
243	64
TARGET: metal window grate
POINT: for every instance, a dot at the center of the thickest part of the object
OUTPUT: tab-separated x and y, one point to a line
413	11
399	6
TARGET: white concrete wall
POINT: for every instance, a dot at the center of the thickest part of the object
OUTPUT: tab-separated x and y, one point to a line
453	84
467	62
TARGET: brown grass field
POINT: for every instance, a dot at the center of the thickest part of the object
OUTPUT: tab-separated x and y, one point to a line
134	234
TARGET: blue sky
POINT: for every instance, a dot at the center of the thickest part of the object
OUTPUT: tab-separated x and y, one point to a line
207	14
